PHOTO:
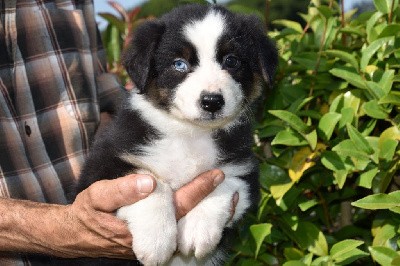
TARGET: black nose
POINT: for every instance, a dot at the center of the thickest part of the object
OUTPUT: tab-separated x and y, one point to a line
212	102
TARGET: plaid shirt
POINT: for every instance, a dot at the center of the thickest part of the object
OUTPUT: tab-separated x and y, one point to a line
52	89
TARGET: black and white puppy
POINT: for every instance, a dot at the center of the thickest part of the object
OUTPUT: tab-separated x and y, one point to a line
197	70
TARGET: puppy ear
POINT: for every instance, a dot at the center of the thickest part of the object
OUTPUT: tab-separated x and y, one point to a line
262	48
268	58
138	59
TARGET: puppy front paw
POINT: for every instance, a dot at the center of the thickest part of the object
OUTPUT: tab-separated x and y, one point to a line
153	226
154	246
198	236
200	231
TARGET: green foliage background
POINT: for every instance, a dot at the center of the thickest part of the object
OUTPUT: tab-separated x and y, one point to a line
327	136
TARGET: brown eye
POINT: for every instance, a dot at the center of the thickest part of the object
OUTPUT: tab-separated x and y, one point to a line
231	62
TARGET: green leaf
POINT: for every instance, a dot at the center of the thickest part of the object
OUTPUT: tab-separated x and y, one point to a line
292	253
333	161
312	139
383	234
360	142
382	181
377	201
352	30
268	259
309	60
340	177
388	149
331	30
259	233
279	190
294	263
371	49
289	24
348	148
375	89
113	46
325	11
316	241
395	210
387	80
365	179
113	20
396	261
395	194
374	110
350	76
390	30
345	249
371	32
327	124
308	204
347	57
389	133
351	256
351	100
383	255
391	98
348	114
307	236
272	175
324	260
385	6
307	259
289	137
292	120
298	104
344	246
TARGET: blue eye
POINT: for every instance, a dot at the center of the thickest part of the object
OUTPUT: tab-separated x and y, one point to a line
181	65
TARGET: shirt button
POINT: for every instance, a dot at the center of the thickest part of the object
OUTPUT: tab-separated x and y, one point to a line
28	130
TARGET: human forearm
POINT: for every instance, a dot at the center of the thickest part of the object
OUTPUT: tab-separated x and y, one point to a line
30	227
62	231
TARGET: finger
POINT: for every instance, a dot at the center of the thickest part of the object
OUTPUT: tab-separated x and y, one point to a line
235	200
109	195
187	197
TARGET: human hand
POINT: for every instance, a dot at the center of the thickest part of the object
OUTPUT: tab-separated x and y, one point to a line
102	234
98	233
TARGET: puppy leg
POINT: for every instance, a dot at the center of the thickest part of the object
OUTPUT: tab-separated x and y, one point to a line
201	229
153	226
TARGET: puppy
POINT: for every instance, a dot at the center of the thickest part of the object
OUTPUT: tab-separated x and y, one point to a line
197	70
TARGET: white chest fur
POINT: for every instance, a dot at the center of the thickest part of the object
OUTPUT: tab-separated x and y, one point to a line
178	158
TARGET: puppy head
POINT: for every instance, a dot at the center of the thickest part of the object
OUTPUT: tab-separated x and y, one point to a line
201	63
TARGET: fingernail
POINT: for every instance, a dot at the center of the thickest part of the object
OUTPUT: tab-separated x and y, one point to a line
145	184
218	179
235	199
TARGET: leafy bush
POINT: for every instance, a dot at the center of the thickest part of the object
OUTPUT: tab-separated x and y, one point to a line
327	140
328	143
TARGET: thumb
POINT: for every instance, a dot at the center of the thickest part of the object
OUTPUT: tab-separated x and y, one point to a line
109	195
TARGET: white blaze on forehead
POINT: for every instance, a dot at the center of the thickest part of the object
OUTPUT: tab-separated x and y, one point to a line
208	76
204	34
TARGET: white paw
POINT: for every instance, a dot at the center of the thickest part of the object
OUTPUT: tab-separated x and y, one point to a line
200	231
153	226
199	237
154	246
